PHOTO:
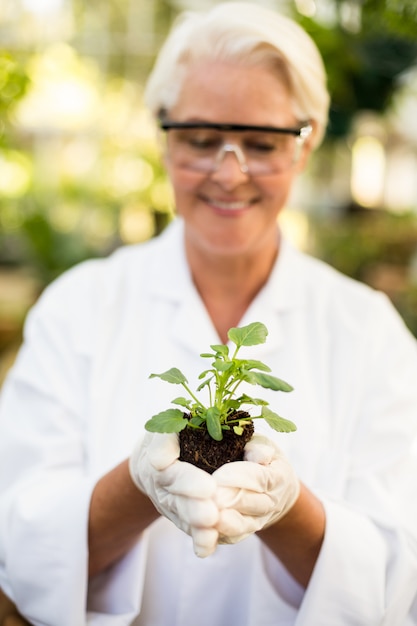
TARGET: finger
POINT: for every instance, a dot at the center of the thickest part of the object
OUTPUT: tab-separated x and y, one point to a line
231	540
163	449
232	523
260	450
197	513
234	527
242	475
244	501
204	541
186	480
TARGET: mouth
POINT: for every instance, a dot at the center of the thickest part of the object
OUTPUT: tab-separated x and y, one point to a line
229	206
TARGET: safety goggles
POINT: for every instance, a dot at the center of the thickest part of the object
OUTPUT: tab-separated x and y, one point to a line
259	150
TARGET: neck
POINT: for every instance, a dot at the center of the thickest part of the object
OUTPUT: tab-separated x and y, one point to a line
228	285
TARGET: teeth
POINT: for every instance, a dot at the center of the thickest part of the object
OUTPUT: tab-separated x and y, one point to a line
229	206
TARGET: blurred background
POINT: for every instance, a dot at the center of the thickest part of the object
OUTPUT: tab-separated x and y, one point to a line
79	164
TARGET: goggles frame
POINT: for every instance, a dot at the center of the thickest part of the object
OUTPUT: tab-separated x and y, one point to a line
301	133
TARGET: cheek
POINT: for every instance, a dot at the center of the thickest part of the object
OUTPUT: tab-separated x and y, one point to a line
182	183
277	191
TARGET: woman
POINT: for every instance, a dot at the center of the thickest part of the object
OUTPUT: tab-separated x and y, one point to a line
320	527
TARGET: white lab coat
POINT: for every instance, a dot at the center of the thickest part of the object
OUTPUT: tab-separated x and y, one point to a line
76	401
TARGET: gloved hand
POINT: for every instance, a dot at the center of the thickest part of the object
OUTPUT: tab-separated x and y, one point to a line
179	491
254	493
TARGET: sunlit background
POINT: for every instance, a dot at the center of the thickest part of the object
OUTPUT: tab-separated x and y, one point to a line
80	172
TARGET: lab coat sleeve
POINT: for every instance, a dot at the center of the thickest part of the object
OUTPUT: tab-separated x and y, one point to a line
46	478
367	569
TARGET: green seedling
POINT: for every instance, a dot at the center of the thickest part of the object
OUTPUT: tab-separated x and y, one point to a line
221	381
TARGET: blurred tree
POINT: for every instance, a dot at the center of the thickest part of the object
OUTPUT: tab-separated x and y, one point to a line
124	35
366	51
14	82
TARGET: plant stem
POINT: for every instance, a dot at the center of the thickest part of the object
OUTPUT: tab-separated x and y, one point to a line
194	397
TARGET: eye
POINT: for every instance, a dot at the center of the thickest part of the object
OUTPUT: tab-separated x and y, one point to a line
266	143
200	140
258	146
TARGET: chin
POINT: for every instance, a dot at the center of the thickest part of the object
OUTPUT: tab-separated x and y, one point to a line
227	240
227	248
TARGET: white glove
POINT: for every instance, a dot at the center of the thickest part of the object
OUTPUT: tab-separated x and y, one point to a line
179	491
254	493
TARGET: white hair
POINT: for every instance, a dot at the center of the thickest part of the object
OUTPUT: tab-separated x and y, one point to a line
245	33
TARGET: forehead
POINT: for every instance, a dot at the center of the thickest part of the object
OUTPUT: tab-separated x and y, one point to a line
221	91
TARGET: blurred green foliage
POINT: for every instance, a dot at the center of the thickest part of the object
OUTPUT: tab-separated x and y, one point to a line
53	215
54	220
14	83
365	61
377	248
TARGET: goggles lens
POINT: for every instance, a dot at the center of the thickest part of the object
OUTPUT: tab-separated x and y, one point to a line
258	149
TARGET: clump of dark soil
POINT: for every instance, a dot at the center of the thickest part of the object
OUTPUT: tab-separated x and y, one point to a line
201	450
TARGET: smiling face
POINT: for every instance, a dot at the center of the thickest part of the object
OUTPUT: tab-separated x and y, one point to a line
228	212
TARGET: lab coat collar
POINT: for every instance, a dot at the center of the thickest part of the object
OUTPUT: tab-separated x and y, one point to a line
170	279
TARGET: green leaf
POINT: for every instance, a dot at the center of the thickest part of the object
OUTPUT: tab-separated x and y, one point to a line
244	399
196	421
276	422
169	421
182	402
267	381
250	364
205	373
213	423
238	430
220	349
221	366
234	404
250	335
173	375
205	383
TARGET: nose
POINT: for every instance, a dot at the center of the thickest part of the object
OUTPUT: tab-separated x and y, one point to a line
230	167
238	152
